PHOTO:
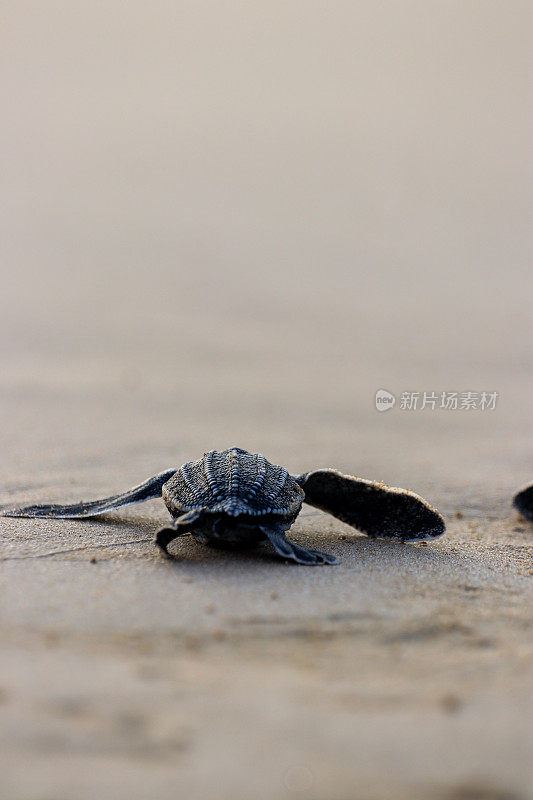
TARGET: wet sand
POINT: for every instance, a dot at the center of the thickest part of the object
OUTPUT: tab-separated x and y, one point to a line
404	671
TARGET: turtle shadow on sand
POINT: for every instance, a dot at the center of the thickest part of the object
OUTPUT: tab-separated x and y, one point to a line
354	551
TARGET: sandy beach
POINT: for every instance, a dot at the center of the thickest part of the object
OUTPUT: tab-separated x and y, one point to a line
232	224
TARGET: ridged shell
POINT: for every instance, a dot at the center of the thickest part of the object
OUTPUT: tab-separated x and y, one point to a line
233	482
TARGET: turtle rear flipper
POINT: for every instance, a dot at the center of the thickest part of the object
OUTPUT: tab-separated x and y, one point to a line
293	552
179	526
145	491
378	510
523	502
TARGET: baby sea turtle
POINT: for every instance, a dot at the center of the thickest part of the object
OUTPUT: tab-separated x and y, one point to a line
232	498
523	502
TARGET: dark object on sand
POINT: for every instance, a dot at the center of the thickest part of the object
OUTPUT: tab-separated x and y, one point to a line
523	502
234	498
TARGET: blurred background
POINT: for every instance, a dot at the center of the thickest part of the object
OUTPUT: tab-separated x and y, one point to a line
233	222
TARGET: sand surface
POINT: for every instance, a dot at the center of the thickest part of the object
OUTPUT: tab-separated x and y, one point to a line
232	225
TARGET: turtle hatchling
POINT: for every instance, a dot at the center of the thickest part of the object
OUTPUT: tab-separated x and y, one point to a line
523	502
232	498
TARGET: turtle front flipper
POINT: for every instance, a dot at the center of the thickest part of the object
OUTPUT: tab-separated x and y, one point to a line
293	552
145	491
523	502
373	508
